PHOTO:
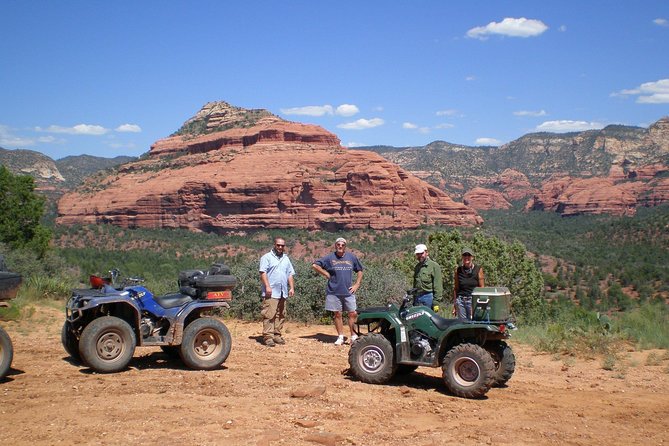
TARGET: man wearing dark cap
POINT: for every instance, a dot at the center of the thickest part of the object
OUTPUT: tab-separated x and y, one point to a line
467	277
426	278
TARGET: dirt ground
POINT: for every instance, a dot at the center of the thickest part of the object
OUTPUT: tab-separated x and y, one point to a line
298	394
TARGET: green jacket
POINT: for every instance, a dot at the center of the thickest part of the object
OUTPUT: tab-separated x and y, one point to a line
427	278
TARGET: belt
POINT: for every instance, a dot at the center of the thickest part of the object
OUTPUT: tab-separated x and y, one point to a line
423	293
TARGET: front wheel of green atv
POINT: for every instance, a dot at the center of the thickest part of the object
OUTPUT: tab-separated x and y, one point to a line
504	359
371	359
468	371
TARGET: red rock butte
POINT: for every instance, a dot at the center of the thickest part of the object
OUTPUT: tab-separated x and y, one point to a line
242	173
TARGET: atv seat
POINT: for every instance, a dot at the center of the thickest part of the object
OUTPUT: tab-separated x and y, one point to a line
172	300
442	323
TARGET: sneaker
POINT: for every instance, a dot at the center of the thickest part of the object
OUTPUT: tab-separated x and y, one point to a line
353	338
279	340
340	340
269	342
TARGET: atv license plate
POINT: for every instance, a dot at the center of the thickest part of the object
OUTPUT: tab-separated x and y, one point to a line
214	295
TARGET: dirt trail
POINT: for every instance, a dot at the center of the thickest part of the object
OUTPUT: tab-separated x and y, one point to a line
297	394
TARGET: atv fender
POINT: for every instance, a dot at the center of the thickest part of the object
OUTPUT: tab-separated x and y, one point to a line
177	329
470	332
98	299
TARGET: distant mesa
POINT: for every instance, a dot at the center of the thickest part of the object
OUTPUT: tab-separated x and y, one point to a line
614	170
231	168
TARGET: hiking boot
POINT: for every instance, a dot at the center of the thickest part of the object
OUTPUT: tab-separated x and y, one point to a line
279	340
339	341
269	342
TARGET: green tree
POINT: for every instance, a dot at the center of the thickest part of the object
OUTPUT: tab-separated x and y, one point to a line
504	264
20	213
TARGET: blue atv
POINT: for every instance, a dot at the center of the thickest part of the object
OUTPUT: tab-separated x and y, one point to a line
104	324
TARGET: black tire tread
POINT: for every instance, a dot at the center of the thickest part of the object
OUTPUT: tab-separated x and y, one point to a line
386	372
186	350
6	353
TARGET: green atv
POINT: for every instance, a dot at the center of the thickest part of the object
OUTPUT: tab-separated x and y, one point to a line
473	354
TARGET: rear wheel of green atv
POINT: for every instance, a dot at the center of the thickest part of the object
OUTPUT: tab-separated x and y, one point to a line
107	344
70	342
504	359
371	359
206	344
468	371
6	353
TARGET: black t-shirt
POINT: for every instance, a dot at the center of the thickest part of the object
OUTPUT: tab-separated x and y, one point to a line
467	281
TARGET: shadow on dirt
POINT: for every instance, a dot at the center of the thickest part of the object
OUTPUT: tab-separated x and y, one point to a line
321	337
414	380
11	372
155	361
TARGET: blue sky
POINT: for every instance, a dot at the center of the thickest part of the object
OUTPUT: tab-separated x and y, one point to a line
110	78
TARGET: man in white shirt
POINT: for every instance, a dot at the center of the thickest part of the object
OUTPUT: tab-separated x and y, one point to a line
276	279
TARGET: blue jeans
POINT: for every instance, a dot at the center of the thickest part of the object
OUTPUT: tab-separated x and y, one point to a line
463	304
426	299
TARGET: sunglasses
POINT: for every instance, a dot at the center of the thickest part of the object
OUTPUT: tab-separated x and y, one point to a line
279	245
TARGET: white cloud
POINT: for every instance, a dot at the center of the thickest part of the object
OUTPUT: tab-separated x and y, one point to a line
661	22
309	110
510	27
488	142
322	110
409	125
116	145
362	124
567	126
470	78
530	113
128	128
8	139
347	110
450	112
79	129
355	144
444	126
649	92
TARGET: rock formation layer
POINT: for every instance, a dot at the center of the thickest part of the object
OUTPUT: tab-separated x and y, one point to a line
268	173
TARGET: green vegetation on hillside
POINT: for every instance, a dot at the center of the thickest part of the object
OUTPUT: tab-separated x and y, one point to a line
20	213
601	261
608	283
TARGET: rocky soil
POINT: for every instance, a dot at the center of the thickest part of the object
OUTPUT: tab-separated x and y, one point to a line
300	394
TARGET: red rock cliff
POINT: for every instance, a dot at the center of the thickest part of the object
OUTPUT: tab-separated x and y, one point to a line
268	174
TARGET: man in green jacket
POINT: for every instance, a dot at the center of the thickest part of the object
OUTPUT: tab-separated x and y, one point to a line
426	278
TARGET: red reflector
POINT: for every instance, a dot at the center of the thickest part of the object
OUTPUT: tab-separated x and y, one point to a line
502	328
214	295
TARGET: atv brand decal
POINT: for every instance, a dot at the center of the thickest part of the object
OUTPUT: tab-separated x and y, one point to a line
415	315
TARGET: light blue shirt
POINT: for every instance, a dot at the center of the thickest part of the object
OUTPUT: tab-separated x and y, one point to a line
278	270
